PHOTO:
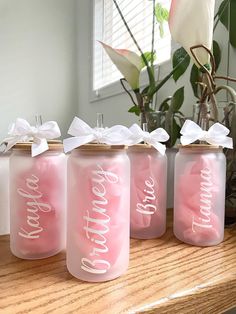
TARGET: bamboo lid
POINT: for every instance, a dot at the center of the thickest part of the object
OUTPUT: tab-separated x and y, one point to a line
52	144
101	147
200	147
141	147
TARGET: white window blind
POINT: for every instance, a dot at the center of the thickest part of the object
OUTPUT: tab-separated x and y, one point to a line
109	28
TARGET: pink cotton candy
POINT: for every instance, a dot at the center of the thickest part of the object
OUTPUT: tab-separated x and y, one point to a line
199	198
98	215
148	193
37	205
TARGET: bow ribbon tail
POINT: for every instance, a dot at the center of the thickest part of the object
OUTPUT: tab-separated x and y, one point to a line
11	141
225	141
74	142
161	148
39	146
187	139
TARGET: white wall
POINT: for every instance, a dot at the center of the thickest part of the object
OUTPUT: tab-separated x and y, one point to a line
37	69
37	61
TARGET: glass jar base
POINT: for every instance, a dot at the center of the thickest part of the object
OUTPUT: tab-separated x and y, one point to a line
148	233
36	256
99	278
197	243
144	236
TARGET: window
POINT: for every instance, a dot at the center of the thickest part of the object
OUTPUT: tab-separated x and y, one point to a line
109	28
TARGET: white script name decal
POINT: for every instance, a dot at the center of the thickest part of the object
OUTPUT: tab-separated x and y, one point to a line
204	221
97	221
147	207
32	195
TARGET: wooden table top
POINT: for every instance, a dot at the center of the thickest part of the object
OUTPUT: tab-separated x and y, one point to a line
165	276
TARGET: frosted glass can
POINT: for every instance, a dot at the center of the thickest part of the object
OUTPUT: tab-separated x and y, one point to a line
98	212
148	192
199	201
37	201
4	194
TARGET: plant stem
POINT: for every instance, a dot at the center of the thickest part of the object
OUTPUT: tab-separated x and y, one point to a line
227	78
129	30
142	107
229	91
165	79
122	80
212	97
150	74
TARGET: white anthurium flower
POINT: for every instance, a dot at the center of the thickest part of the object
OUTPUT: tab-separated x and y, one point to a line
127	62
191	23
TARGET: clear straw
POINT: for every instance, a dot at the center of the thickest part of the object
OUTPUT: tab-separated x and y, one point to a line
100	120
39	121
145	127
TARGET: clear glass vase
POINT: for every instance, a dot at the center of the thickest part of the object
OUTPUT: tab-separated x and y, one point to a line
155	120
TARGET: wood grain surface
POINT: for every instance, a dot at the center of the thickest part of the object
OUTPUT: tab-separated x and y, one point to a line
165	276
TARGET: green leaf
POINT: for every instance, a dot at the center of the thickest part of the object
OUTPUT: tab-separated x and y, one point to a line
181	113
195	77
179	56
232	27
164	106
177	100
229	21
135	109
223	13
148	55
162	16
217	53
145	90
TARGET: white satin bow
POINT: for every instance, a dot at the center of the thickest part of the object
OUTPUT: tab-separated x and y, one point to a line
216	135
154	138
22	131
83	134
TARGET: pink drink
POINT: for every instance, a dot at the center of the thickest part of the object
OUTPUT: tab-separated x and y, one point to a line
98	212
148	192
37	202
199	195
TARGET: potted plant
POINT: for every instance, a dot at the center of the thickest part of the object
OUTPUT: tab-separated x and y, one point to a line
203	77
144	101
